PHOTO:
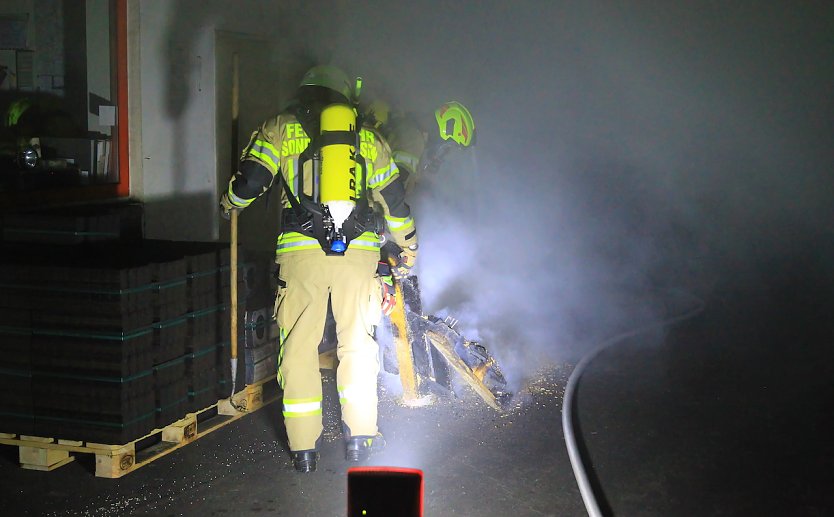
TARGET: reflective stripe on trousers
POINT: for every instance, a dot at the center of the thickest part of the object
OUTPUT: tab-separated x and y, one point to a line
350	283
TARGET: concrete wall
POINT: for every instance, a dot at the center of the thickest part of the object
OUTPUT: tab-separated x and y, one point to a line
174	95
259	88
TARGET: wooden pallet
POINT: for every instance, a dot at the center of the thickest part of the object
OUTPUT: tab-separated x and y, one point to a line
115	461
447	349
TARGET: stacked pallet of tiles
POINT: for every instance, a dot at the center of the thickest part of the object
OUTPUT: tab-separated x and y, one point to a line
106	342
87	313
16	414
169	331
207	340
65	225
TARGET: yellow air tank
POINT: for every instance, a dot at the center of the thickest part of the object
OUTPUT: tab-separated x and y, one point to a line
338	168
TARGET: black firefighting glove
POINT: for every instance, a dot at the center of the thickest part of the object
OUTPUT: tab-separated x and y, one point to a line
433	156
389	298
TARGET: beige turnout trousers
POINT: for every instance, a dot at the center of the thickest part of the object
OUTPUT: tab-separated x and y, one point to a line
350	281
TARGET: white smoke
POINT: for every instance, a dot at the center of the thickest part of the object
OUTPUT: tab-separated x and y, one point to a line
524	269
620	151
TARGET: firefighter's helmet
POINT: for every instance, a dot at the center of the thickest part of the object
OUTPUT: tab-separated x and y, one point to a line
377	113
16	110
454	122
330	78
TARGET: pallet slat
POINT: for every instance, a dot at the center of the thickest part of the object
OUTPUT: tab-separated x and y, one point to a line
115	461
37	458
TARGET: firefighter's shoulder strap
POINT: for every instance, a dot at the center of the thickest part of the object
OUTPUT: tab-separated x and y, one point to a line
303	217
298	218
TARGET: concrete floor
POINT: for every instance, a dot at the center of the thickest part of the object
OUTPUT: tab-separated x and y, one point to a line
475	461
729	414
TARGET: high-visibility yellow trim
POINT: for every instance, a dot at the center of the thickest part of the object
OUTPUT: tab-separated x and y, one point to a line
383	176
302	401
292	237
354	245
399	224
292	164
355	394
407	159
266	146
265	151
296	244
292	414
367	241
297	409
264	157
238	201
294	241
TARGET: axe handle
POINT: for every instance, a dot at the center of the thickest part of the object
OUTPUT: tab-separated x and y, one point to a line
233	275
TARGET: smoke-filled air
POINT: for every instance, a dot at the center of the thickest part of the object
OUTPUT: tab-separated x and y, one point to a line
623	150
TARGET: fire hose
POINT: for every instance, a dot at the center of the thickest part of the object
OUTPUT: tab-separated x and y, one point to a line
579	471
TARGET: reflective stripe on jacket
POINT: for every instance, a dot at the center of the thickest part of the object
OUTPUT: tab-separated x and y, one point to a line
275	148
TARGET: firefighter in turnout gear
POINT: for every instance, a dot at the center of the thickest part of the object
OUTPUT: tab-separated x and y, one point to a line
418	339
418	153
424	349
331	172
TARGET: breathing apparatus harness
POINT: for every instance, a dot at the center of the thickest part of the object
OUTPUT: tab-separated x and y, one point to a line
337	211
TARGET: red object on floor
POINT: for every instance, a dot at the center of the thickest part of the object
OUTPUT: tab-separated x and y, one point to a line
388	491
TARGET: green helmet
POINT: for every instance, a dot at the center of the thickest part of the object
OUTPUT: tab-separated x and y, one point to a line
16	110
455	122
331	78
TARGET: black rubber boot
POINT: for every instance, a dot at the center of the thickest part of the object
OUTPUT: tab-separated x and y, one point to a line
305	461
360	448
